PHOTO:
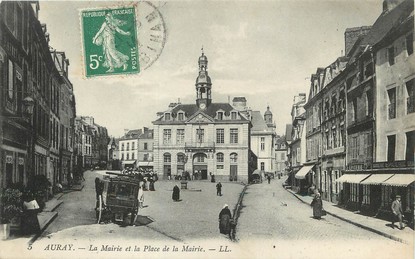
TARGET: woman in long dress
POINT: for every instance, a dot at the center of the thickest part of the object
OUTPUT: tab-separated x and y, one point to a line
140	196
224	220
317	205
106	37
176	193
30	222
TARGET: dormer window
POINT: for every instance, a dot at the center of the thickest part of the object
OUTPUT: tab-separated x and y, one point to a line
180	116
233	115
167	117
220	116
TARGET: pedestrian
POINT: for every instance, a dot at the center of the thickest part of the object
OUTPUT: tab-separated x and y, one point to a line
151	184
176	193
225	217
29	221
212	178
269	178
140	196
317	205
397	212
219	189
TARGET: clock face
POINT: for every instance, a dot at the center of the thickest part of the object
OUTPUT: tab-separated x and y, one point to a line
151	33
202	105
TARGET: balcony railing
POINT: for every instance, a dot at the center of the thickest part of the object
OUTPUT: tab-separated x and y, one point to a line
200	144
392	111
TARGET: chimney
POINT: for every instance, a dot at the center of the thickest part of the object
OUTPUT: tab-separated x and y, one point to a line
239	103
351	35
388	5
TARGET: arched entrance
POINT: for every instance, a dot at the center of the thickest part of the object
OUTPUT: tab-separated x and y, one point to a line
200	166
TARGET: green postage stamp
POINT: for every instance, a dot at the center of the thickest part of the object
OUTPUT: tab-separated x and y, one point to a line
110	41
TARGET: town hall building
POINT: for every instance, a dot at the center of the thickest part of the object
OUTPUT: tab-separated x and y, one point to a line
203	138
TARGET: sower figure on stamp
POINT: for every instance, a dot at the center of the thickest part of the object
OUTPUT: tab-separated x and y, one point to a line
397	212
106	37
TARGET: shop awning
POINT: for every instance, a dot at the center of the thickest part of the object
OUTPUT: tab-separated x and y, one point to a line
145	163
400	180
352	178
376	179
303	171
128	162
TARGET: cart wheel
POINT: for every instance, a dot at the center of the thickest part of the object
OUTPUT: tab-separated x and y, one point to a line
99	209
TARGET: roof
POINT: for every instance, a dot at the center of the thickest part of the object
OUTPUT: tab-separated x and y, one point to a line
280	140
132	134
258	122
239	99
386	21
149	134
191	109
288	131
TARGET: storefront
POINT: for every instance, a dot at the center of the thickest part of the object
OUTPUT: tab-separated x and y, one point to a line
305	178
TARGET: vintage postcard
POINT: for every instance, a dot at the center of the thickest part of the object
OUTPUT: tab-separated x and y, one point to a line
207	129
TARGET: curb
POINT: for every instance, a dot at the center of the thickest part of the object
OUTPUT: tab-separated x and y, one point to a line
356	224
238	207
33	239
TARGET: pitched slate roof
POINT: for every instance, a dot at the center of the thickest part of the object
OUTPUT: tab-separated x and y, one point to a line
258	122
191	109
386	21
288	132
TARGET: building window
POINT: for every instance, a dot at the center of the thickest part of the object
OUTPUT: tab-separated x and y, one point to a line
391	148
167	116
392	103
128	156
391	55
262	166
132	156
145	157
354	114
180	158
128	146
166	136
219	158
369	103
410	146
180	136
234	136
233	115
122	156
220	116
234	158
180	116
410	100
220	136
133	146
298	154
282	157
409	44
200	158
122	146
334	134
145	146
262	143
167	158
200	134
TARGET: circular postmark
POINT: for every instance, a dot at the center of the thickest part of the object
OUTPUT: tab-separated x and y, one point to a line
152	33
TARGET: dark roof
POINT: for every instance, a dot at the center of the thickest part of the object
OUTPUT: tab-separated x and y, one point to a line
191	109
280	140
258	122
149	134
386	21
288	131
132	134
239	99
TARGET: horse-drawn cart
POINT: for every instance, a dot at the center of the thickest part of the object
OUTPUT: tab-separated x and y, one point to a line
119	199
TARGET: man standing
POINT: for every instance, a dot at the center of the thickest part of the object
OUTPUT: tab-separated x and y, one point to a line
397	211
219	189
269	178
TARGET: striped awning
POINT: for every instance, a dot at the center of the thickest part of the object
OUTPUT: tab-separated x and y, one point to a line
303	171
376	179
352	178
400	180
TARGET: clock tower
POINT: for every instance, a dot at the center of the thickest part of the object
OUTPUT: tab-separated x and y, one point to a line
203	84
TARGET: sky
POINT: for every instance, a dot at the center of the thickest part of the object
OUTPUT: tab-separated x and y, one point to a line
263	50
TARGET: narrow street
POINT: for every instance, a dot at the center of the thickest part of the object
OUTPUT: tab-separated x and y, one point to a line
273	216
